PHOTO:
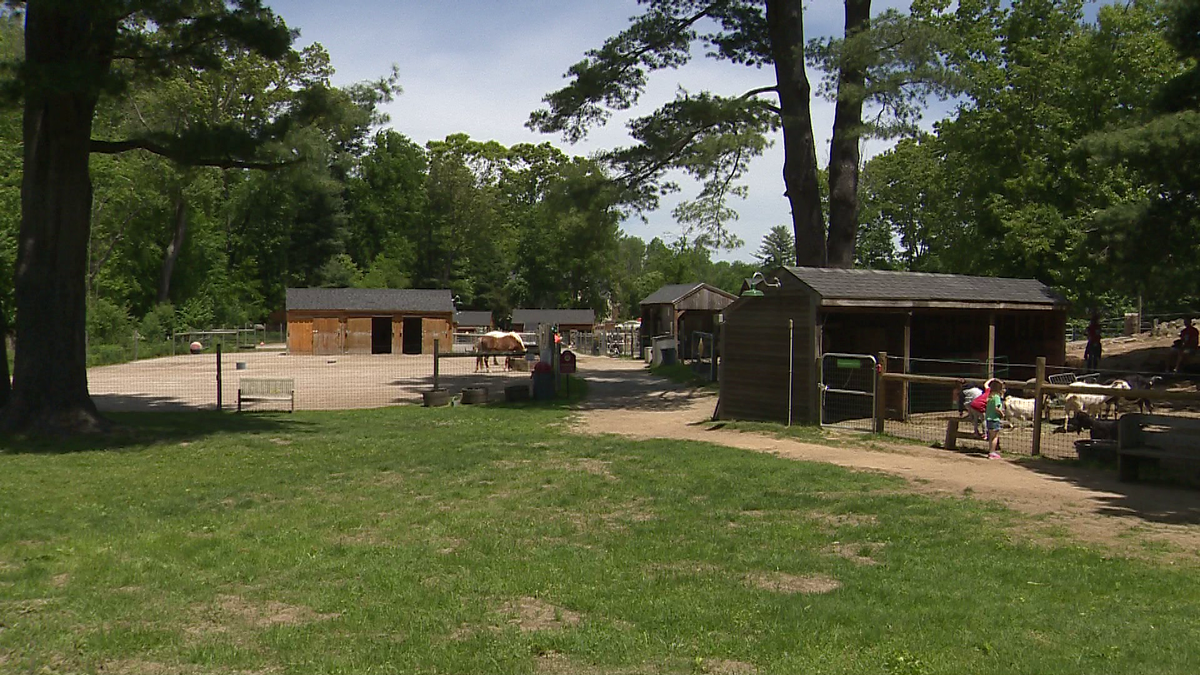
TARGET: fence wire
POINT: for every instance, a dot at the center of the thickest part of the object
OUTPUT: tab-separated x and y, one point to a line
923	411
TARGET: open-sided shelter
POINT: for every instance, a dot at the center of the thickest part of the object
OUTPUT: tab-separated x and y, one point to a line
678	310
945	318
368	320
473	321
528	320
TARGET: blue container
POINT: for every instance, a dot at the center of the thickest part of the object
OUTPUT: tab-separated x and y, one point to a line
543	385
668	356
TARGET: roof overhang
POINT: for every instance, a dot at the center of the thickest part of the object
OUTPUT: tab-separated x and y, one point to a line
938	304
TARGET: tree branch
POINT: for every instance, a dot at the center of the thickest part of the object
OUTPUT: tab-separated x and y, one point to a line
117	147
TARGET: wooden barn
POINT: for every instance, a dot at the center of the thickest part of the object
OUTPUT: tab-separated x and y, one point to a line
678	310
528	320
367	320
946	318
473	321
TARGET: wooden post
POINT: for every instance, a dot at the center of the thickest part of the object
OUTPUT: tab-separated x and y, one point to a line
436	345
880	396
907	353
218	376
991	355
1038	405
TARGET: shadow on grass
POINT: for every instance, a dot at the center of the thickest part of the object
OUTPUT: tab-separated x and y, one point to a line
138	431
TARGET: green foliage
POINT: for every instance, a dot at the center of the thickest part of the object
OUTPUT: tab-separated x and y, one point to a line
108	321
159	323
1000	188
778	248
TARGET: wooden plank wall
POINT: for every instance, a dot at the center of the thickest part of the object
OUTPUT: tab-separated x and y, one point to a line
705	299
300	336
358	335
435	328
327	335
754	365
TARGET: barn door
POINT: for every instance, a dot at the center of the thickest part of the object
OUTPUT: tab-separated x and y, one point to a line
848	391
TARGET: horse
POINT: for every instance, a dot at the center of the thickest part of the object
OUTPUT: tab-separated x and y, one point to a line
497	342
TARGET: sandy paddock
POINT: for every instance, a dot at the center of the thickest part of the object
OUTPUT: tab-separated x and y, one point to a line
189	382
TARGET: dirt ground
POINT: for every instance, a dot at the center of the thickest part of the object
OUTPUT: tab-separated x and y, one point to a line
189	381
1089	503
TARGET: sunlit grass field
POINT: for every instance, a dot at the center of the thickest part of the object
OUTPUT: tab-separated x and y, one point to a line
495	540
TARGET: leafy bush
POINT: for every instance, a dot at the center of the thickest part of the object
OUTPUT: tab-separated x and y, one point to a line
108	322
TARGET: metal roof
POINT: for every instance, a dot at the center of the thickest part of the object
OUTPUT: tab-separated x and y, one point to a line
473	318
429	300
866	285
673	293
532	317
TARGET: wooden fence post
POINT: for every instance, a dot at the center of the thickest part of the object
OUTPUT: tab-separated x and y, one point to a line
880	396
1038	405
218	376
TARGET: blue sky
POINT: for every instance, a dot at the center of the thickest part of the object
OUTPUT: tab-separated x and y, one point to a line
481	66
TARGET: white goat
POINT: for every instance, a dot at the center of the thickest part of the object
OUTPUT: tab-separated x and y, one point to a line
1017	408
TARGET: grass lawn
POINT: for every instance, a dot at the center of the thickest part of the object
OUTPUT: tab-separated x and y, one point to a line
492	540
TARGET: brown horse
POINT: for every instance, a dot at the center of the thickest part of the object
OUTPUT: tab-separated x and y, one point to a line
497	342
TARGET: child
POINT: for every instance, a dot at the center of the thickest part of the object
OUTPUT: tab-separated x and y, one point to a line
995	411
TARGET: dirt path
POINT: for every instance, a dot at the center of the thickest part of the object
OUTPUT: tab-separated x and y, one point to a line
625	399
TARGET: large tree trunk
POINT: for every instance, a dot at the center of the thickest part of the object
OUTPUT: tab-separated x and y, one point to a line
50	391
845	147
171	255
785	27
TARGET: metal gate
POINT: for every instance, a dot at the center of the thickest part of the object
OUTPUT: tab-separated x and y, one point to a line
848	391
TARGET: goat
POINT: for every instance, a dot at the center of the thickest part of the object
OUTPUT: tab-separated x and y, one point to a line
1017	408
1143	383
1092	404
1099	430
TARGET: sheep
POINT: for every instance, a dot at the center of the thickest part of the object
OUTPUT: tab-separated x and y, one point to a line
1017	408
1089	390
1099	430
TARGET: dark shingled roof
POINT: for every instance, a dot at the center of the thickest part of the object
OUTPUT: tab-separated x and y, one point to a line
672	293
533	317
843	284
473	318
430	300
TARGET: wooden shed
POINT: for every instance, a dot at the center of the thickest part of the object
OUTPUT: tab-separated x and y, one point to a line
945	318
473	321
368	320
528	320
678	310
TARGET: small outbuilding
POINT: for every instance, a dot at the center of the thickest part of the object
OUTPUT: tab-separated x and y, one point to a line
943	319
473	321
679	310
528	320
368	320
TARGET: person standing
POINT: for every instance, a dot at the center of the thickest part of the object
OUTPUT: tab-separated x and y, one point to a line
1091	353
1186	345
994	414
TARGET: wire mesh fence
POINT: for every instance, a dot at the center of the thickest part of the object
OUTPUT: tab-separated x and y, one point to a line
935	410
848	391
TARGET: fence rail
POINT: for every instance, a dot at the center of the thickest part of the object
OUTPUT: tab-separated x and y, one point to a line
924	408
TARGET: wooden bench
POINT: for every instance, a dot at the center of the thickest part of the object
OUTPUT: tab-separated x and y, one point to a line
1154	437
267	389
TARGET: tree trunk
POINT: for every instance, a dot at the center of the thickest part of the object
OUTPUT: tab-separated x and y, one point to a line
785	27
844	149
171	255
50	372
5	380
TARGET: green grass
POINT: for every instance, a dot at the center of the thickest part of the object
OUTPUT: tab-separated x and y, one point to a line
681	373
814	433
408	540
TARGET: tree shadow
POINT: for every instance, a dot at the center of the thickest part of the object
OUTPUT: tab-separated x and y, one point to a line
137	431
639	390
1151	501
